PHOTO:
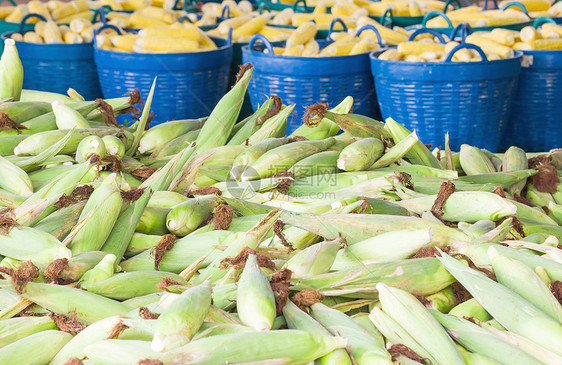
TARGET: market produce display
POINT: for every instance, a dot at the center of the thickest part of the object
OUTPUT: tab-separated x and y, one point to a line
58	11
79	30
219	241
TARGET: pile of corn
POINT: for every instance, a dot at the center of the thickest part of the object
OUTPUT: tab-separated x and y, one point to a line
122	245
175	38
546	37
404	7
126	5
245	27
79	30
59	11
476	17
426	48
144	17
538	8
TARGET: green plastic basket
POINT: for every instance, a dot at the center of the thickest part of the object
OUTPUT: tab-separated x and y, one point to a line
278	6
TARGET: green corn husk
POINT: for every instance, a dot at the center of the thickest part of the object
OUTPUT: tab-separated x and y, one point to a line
406	309
515	159
166	199
182	319
525	282
209	329
252	153
11	72
362	319
537	197
164	177
141	242
255	302
102	271
61	222
251	124
159	135
119	352
14	329
132	284
8	143
325	128
176	144
386	247
185	251
14	179
282	347
78	265
317	164
299	320
10	200
479	340
556	211
314	260
47	121
184	218
504	179
465	206
217	129
43	96
471	309
511	310
104	205
274	127
360	281
443	301
283	157
364	348
22	111
358	227
250	239
68	118
473	161
418	154
90	145
114	146
358	125
153	221
88	307
37	143
36	349
26	243
360	155
46	157
124	228
396	152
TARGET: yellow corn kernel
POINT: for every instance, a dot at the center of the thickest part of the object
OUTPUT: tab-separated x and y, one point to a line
401	31
304	33
417	48
17	37
70	9
311	49
377	8
490	46
224	26
284	17
551	30
543	44
78	25
518	46
252	27
124	42
529	34
295	50
555	10
32	37
17	15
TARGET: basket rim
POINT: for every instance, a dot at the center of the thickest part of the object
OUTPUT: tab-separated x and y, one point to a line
219	49
518	55
245	49
7	35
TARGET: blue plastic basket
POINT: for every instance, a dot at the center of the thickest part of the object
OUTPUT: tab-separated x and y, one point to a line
536	121
188	86
469	100
58	67
307	80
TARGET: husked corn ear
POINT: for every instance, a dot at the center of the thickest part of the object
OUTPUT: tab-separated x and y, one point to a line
79	25
206	41
137	20
5	11
531	5
417	48
52	33
414	8
551	30
186	32
164	15
364	46
167	44
17	37
225	25
32	37
284	17
463	55
69	9
252	27
38	348
490	46
544	44
303	34
339	48
391	54
72	38
529	34
83	15
124	42
311	49
37	7
275	34
17	15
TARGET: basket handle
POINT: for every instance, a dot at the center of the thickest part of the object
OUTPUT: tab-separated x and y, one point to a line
30	16
101	13
517	5
296	5
463	29
263	8
225	9
229	35
434	14
433	32
259	37
542	20
388	12
469	46
184	17
333	23
370	27
486	4
10	1
449	2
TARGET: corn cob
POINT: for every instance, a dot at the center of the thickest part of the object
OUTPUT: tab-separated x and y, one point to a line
11	72
186	217
32	349
302	35
314	260
17	14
